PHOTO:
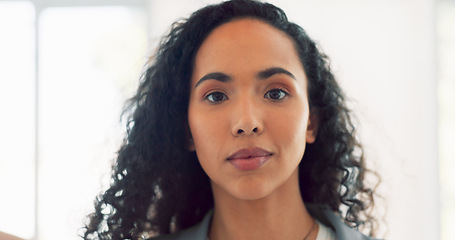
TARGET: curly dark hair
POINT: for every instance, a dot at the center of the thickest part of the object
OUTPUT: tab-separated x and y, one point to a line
158	185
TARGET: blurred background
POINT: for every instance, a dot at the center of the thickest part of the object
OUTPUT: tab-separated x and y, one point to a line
67	67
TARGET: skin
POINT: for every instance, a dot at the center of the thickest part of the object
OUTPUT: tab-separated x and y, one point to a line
245	104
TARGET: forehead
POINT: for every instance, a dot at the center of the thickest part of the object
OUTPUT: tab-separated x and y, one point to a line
246	44
246	27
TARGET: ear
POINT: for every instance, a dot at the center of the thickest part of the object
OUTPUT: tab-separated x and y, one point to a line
191	146
190	142
312	127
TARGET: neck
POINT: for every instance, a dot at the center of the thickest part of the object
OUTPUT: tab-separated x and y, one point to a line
279	215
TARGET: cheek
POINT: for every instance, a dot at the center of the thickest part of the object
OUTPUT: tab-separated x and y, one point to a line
290	131
204	127
197	130
206	131
198	133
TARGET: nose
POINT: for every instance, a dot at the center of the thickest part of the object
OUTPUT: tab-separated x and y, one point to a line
246	119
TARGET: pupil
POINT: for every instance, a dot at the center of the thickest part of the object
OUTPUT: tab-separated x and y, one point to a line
275	94
217	97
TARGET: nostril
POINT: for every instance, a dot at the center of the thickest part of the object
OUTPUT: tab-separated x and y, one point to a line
255	130
239	131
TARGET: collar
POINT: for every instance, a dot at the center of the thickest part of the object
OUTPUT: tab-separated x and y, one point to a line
321	212
326	216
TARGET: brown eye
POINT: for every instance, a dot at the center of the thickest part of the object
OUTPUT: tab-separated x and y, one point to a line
275	94
216	97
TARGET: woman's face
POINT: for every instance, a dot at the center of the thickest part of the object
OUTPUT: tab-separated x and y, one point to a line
248	110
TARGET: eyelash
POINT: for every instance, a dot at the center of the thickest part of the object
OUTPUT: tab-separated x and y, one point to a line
209	96
282	96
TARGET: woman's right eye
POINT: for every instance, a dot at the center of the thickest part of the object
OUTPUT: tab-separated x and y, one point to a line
216	97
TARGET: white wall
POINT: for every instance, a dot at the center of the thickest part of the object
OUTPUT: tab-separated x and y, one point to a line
383	53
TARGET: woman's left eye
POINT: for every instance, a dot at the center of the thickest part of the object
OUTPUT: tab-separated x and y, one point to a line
275	94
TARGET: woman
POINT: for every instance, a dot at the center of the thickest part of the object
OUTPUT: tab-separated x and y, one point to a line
238	131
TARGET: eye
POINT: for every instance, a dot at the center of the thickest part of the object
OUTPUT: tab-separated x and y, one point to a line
276	94
216	97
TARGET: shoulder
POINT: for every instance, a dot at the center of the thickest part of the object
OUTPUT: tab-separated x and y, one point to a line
326	216
196	232
187	234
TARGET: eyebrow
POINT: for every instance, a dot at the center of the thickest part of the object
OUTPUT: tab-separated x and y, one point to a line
262	75
222	77
272	71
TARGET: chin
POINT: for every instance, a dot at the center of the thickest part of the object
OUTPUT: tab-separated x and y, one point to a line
250	196
253	190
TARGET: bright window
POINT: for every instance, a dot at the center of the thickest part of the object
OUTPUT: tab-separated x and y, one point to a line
17	121
88	60
446	93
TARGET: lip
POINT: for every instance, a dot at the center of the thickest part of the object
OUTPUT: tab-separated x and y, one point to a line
248	159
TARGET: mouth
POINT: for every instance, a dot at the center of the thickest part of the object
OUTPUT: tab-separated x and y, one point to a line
249	159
